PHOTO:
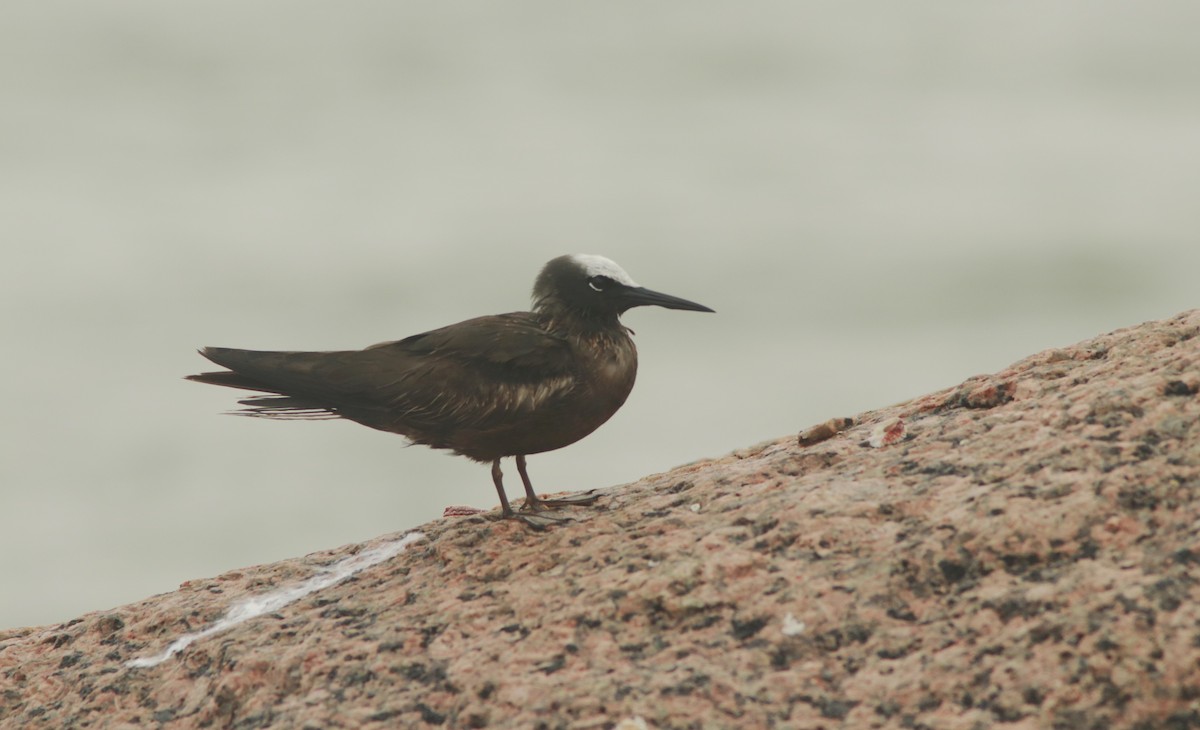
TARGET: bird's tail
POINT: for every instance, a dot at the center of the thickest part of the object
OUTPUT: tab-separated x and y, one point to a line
280	405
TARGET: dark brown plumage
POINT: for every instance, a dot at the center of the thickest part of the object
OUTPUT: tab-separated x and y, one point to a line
490	387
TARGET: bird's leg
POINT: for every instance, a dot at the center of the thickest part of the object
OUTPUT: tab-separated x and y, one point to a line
498	480
540	521
533	503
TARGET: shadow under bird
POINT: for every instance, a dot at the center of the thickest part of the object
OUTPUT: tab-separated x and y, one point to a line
504	385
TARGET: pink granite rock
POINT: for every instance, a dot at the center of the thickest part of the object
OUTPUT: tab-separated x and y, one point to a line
1020	551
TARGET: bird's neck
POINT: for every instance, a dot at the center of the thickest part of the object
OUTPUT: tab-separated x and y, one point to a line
581	325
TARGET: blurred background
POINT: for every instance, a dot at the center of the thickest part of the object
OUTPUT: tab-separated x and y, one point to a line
878	199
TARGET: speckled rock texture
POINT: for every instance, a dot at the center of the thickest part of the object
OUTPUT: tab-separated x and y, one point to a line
1019	551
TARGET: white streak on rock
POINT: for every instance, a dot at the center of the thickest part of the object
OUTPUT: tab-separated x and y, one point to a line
270	602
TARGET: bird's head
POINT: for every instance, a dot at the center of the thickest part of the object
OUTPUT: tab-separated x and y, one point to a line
594	287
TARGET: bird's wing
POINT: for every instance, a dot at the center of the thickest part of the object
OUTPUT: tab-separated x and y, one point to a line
471	373
515	345
475	373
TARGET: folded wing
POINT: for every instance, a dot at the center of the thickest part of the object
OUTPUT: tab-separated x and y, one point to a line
478	374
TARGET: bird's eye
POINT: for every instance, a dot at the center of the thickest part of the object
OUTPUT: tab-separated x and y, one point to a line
599	283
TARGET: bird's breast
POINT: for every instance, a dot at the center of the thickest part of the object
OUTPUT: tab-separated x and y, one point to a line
547	413
608	369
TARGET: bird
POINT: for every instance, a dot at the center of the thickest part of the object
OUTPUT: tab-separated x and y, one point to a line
487	388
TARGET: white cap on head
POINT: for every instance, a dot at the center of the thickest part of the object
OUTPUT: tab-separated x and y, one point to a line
594	265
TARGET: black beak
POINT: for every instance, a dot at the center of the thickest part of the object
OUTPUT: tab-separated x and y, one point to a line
636	296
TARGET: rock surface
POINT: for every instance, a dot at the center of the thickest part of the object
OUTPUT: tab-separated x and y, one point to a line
1019	551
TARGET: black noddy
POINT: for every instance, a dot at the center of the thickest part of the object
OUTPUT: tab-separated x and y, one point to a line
505	385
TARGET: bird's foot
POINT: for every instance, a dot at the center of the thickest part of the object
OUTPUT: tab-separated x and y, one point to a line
539	520
579	499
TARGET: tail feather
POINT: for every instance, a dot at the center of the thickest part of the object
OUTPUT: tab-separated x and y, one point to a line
279	405
284	408
308	385
230	379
